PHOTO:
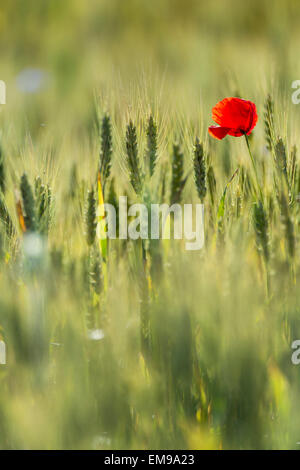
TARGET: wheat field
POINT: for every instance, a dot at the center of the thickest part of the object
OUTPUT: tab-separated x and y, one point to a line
134	344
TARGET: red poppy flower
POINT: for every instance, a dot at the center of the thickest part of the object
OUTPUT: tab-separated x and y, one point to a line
234	116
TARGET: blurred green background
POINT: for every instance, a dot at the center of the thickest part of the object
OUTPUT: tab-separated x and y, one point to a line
176	57
189	50
221	376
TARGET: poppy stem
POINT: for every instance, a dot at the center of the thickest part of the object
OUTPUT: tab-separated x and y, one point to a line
254	167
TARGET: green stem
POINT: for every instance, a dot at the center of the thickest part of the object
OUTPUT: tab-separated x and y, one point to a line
254	167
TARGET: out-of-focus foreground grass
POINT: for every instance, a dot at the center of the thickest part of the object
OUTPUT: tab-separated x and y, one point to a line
217	371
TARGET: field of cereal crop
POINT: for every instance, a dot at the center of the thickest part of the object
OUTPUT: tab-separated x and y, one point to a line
123	343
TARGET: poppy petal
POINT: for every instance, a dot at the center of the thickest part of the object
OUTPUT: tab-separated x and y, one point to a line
218	132
253	120
235	113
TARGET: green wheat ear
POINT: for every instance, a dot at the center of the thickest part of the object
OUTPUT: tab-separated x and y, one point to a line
280	158
151	152
293	167
90	218
106	149
288	224
212	184
269	122
178	182
163	182
43	201
96	272
200	170
6	219
133	160
113	200
28	204
261	229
